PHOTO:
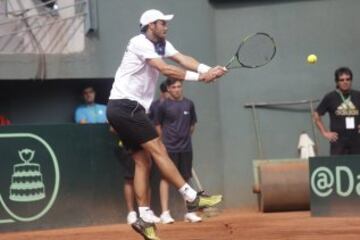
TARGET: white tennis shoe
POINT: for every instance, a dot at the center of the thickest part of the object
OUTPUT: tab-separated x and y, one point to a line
191	217
165	218
131	217
152	217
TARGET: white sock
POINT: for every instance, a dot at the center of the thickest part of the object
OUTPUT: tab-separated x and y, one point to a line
188	193
143	212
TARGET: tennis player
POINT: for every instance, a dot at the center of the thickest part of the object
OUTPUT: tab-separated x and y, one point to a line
130	98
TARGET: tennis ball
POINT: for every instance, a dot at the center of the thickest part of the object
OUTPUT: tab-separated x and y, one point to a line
312	59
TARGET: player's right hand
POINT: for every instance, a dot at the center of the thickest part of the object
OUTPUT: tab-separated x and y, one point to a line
207	77
219	71
213	74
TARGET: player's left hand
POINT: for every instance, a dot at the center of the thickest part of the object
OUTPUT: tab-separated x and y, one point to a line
218	71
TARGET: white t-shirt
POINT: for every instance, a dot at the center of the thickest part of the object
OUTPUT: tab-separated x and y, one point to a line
135	79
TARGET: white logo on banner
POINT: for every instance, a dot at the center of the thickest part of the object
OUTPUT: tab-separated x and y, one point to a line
27	185
343	182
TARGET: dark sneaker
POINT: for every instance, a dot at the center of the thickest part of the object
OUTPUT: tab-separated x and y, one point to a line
203	201
202	193
147	230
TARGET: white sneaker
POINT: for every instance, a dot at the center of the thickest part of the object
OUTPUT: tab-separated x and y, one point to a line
192	217
152	217
131	217
166	218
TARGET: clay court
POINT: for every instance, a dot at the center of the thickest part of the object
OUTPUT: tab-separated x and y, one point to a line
230	225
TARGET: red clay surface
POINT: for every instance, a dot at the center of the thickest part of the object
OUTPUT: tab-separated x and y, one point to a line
229	225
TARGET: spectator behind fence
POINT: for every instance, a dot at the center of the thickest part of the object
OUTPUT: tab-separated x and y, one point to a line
90	111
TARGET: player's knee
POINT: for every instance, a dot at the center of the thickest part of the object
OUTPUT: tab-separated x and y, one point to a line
155	147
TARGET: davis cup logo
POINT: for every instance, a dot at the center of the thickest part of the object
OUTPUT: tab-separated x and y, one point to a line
29	180
341	181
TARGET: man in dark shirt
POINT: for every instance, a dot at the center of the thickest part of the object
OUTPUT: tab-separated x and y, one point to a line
154	107
175	123
343	105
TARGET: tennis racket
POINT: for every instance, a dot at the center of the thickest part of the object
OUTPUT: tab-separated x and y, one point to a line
256	50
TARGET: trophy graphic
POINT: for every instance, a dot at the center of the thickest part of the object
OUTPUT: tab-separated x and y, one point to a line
27	181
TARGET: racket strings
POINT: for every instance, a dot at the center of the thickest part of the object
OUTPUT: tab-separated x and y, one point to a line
256	51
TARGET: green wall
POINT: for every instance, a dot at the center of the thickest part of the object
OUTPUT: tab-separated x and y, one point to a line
81	172
327	28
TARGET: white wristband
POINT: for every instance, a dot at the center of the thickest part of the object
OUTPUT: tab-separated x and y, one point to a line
191	76
202	68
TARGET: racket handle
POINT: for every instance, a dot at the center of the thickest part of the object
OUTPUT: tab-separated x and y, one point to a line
197	181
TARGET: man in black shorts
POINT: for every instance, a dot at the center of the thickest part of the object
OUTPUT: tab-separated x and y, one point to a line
175	123
130	98
343	105
129	165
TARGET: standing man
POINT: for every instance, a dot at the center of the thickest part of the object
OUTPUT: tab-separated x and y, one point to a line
175	122
90	111
130	98
343	105
154	107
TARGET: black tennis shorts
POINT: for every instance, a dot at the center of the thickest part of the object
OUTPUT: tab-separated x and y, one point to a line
183	162
131	123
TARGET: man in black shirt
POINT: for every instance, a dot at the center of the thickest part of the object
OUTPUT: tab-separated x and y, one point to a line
175	122
154	107
343	106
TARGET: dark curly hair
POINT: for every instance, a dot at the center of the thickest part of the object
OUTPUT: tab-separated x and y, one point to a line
342	70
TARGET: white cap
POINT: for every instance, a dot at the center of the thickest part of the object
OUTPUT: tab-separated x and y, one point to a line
153	15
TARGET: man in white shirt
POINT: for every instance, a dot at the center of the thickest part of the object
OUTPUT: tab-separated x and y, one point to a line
130	98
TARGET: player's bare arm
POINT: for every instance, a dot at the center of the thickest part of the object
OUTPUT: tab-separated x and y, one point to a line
186	61
175	72
190	63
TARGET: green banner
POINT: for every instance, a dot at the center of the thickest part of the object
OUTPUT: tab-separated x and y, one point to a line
335	185
59	175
